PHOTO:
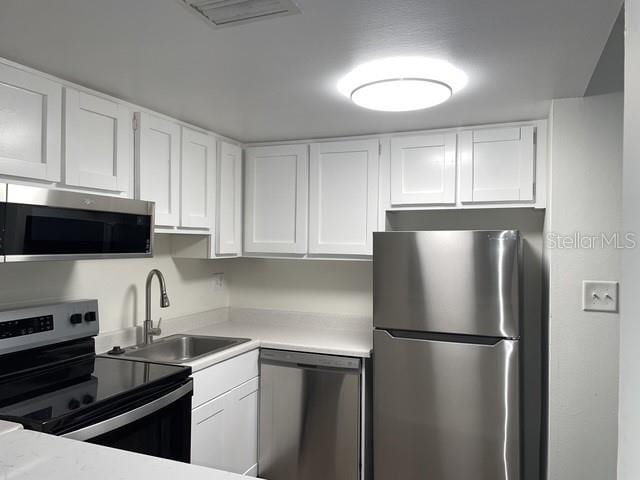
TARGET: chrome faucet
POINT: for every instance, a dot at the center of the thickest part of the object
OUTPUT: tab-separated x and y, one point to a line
149	330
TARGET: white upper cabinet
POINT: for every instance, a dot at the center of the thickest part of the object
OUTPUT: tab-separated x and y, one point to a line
276	195
229	199
423	169
98	139
158	166
497	165
343	197
30	125
198	180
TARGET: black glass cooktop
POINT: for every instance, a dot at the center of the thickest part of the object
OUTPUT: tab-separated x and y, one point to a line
56	397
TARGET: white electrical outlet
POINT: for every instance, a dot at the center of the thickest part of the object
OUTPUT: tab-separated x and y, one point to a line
218	281
599	296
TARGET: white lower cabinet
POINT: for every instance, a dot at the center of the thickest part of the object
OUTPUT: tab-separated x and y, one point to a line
224	422
224	432
209	431
243	441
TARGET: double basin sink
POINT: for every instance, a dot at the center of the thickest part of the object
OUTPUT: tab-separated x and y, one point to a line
181	348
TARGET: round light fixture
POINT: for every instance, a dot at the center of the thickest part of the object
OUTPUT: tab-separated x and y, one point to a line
402	84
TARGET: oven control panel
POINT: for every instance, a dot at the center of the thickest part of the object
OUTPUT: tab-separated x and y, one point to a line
26	326
29	327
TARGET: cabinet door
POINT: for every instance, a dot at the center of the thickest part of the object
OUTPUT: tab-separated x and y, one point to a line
423	169
343	197
210	434
157	166
276	195
229	218
98	139
198	167
224	431
30	125
497	165
243	435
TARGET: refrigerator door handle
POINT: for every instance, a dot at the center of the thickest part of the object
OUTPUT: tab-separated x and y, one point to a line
446	337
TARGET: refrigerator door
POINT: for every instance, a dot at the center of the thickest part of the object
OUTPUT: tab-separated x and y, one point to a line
445	410
463	282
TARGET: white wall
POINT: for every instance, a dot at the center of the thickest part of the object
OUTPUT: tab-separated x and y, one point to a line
585	176
629	420
341	287
118	285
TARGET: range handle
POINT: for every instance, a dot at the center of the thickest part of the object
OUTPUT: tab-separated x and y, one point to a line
131	416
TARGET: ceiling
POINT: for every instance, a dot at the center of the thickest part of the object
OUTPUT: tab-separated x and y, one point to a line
275	79
608	76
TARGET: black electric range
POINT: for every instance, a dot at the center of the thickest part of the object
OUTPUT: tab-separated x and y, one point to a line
62	387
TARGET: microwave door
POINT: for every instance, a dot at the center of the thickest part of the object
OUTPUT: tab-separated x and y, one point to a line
58	225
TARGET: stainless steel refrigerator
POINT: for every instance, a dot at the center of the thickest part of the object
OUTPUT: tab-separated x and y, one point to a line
446	400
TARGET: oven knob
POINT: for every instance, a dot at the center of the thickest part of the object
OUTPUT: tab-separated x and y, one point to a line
87	399
90	317
73	404
75	318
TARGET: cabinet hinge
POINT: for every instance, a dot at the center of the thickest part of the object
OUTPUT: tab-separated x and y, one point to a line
135	122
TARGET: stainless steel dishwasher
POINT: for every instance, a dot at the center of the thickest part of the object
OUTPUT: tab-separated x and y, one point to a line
310	416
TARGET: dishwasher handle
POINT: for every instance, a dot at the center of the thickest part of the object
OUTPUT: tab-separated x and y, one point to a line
309	360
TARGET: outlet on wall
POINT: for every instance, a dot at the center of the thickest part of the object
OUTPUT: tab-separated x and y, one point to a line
218	281
599	296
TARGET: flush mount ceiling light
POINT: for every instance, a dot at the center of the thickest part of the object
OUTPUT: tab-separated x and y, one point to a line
402	84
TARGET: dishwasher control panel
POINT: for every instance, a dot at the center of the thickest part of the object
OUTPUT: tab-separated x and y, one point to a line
310	359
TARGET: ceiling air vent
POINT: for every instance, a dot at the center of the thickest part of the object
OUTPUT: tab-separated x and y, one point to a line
222	13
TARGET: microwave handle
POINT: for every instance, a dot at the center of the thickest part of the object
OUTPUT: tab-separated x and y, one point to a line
131	416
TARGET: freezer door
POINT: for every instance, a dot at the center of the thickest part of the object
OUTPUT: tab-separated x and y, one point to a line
447	281
445	410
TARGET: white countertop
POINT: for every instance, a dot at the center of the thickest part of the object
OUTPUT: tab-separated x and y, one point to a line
298	331
28	455
285	331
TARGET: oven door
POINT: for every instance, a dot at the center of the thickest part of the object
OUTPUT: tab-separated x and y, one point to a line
44	224
161	427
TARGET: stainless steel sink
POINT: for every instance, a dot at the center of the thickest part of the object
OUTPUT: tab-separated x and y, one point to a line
181	348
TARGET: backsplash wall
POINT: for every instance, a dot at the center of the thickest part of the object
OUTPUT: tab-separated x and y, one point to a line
118	285
320	286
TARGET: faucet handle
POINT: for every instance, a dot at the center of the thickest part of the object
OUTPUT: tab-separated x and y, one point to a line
155	331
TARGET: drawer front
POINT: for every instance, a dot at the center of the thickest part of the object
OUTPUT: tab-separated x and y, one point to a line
222	377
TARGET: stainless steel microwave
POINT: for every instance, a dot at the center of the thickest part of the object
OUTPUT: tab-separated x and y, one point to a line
45	224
